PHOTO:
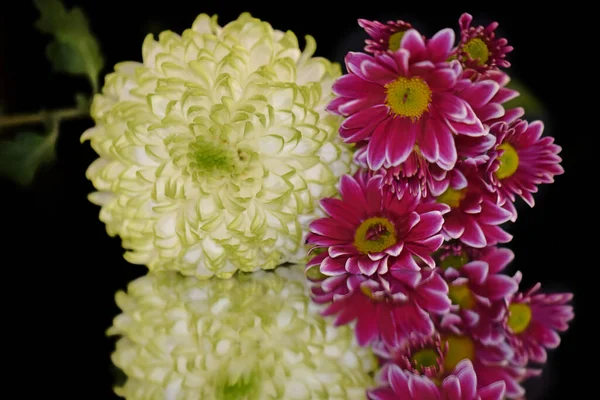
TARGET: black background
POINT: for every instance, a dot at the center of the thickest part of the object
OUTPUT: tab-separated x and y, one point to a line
60	269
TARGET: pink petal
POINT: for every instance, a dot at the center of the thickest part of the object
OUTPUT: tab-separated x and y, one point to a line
422	388
367	267
427	138
440	45
475	129
452	390
442	79
468	380
430	223
477	271
495	391
401	140
480	93
352	193
452	106
398	380
366	325
500	286
332	266
333	228
407	276
360	125
342	250
341	210
413	42
492	214
365	67
453	226
352	266
445	139
499	258
473	235
352	86
376	150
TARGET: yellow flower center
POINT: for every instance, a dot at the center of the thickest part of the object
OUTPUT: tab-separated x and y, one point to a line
477	50
519	317
374	235
395	39
459	348
509	161
408	97
425	358
461	295
452	197
454	261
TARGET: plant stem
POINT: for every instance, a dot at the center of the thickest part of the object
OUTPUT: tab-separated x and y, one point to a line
41	117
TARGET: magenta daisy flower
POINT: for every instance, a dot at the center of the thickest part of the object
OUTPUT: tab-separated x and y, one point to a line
384	37
437	356
385	307
477	289
533	322
522	159
475	216
407	101
420	177
479	48
396	383
370	229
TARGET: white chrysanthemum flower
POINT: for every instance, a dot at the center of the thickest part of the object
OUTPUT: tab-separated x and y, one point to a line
255	336
215	150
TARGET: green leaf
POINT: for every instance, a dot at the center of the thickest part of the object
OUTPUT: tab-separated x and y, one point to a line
74	49
21	157
527	99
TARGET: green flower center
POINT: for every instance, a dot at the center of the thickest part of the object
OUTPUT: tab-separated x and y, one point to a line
408	97
519	317
425	358
245	388
374	235
452	197
212	155
509	161
454	261
477	50
395	40
459	348
461	295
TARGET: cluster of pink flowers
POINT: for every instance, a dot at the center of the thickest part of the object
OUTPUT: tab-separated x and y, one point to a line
409	253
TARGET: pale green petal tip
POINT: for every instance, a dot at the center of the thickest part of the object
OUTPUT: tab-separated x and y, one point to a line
182	338
215	150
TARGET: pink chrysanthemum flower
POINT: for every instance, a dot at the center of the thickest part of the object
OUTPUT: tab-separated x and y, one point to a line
411	100
461	385
475	216
370	229
418	176
522	159
385	307
477	289
533	322
437	356
479	48
384	37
